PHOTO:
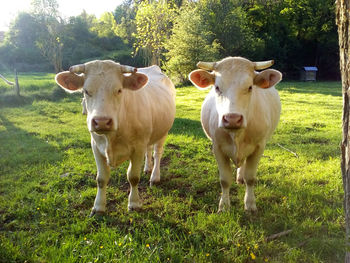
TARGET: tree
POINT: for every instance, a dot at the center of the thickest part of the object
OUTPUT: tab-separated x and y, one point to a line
343	21
153	25
49	43
297	33
125	16
106	26
78	40
227	20
190	42
19	45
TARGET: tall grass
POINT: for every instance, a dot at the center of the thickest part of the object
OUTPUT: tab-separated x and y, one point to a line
47	186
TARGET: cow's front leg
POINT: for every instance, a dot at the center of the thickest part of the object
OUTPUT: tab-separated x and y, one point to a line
225	172
103	175
250	167
134	172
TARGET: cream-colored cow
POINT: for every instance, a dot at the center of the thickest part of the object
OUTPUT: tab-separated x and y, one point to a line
239	114
128	110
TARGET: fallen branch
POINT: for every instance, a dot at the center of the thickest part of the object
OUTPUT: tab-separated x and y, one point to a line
12	84
278	235
8	82
284	148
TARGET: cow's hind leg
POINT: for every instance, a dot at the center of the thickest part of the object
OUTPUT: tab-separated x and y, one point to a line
250	167
148	160
157	156
226	178
240	174
103	174
134	172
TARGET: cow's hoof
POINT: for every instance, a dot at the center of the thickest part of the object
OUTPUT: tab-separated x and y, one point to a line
251	209
134	207
240	181
154	182
224	204
147	171
221	210
97	213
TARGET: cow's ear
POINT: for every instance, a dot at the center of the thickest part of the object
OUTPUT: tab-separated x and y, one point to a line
69	81
267	78
135	81
202	79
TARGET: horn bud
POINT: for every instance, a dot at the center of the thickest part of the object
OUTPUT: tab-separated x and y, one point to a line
263	64
77	68
206	65
127	69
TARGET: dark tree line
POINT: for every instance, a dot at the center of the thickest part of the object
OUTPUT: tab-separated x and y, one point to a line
176	34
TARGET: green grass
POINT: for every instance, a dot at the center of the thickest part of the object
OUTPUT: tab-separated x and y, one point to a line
47	186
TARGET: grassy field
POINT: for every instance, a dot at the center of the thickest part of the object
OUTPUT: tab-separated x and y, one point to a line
47	186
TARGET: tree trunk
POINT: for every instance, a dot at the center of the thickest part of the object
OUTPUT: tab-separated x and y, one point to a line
342	17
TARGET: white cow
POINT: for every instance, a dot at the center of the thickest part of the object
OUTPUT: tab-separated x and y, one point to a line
127	113
239	114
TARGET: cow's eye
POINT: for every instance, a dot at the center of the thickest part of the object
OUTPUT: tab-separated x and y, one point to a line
217	89
86	92
119	91
250	88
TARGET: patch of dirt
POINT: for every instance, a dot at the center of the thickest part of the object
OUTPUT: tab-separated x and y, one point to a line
173	146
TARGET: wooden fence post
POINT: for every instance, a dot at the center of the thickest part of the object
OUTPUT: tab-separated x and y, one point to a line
16	83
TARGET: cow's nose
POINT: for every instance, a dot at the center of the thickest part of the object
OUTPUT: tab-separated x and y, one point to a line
232	121
102	124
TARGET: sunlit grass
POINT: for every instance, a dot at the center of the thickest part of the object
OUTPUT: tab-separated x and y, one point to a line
47	186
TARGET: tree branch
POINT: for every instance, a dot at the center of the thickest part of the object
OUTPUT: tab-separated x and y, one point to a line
8	82
278	235
284	148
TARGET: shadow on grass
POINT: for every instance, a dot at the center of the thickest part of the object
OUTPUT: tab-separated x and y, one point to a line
55	95
187	127
19	147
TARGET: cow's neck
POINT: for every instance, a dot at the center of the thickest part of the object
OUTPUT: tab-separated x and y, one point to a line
243	146
113	147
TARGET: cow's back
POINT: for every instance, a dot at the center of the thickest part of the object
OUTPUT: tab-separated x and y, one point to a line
149	113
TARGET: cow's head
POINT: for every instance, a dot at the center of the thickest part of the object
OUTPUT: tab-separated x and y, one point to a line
103	84
234	79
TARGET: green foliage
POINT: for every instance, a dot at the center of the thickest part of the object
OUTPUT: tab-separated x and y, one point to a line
47	186
125	16
298	33
175	33
228	22
48	41
79	41
153	24
190	42
106	26
19	45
